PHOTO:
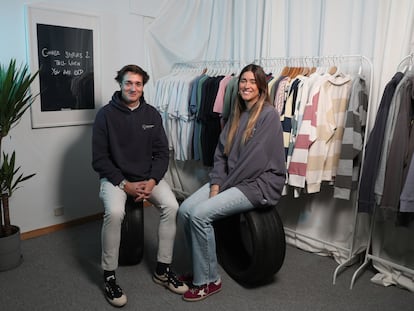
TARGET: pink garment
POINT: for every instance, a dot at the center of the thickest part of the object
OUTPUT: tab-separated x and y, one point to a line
219	101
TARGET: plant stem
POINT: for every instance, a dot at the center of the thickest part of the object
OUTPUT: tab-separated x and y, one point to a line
6	214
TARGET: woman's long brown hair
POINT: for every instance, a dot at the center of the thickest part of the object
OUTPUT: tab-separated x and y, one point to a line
240	106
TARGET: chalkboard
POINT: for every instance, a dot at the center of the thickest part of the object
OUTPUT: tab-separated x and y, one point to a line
66	71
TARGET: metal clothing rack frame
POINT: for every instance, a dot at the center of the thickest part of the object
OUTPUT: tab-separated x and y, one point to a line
213	67
333	60
369	256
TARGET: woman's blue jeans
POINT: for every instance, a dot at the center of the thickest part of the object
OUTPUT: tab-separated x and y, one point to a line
197	214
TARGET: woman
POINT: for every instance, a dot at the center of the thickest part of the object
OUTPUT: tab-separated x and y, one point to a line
248	173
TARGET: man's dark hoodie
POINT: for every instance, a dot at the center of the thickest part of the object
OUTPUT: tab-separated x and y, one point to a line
129	144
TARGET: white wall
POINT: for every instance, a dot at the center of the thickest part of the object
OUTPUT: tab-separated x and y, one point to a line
61	156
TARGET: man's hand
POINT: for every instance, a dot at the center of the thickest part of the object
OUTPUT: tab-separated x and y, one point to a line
140	190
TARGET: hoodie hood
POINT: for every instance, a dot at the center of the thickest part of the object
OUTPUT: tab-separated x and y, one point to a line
119	103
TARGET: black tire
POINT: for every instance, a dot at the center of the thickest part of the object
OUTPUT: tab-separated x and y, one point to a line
131	249
251	246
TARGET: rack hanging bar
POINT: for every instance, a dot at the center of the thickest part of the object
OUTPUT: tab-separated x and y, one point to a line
210	64
314	59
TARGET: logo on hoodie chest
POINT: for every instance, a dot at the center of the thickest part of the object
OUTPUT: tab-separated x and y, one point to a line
147	126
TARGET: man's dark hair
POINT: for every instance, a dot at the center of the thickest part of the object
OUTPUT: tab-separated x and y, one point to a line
132	68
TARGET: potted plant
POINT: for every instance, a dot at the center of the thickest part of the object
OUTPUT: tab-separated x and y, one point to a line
15	99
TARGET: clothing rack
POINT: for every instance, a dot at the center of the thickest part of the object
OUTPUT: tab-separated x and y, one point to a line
405	64
365	64
360	64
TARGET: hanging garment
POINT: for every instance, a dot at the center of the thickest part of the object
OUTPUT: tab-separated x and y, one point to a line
281	94
407	195
288	112
302	99
350	158
401	149
219	101
390	127
306	136
324	153
366	195
229	98
195	108
171	92
210	120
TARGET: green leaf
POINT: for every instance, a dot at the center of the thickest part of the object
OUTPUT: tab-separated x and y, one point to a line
15	95
8	172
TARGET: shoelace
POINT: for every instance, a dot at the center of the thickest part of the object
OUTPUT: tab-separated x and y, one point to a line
172	278
114	289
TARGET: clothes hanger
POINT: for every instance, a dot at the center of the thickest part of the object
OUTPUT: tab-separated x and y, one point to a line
305	71
285	71
291	71
333	70
409	66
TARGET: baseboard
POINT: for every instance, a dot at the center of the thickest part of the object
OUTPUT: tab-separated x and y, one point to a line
42	231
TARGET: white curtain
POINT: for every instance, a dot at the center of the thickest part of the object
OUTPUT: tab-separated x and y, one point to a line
247	30
189	30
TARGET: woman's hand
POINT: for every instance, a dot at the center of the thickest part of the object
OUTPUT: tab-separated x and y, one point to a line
214	190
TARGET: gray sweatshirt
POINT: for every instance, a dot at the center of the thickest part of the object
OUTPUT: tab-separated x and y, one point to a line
258	168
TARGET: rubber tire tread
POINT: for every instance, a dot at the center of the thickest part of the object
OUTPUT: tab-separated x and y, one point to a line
131	249
258	263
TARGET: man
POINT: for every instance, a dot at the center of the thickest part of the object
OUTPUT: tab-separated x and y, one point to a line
130	154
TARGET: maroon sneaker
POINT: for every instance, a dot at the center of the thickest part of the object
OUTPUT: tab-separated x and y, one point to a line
197	293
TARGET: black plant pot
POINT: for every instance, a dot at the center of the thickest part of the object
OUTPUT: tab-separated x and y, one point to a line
10	250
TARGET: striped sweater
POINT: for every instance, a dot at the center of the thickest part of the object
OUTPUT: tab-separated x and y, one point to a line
324	152
306	136
352	142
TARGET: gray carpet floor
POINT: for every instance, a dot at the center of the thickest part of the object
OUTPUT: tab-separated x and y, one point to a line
61	271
